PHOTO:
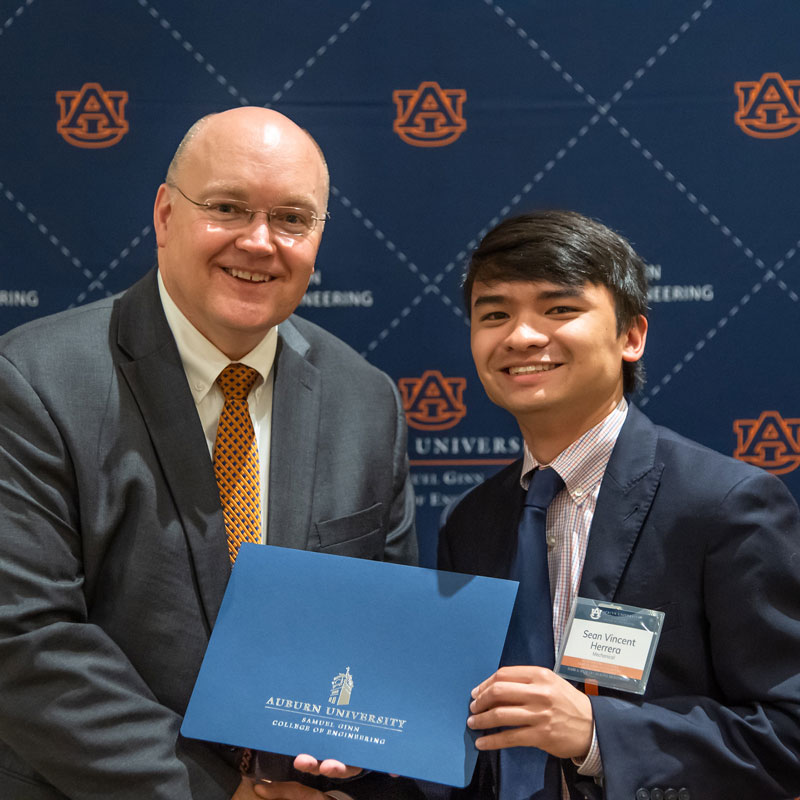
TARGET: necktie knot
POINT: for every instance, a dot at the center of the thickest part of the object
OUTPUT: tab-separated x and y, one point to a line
544	486
236	381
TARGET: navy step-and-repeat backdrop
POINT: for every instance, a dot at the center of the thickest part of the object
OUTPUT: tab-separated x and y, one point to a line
676	122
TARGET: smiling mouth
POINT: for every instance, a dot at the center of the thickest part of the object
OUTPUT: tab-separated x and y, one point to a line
531	368
244	275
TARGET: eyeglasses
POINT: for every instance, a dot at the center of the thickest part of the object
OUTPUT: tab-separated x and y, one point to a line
235	214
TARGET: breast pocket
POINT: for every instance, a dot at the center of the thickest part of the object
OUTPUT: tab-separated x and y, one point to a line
360	535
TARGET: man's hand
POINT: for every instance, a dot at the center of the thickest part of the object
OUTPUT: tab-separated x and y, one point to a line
245	791
539	708
285	790
291	790
330	768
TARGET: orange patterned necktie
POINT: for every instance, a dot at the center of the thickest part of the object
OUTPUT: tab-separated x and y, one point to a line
236	460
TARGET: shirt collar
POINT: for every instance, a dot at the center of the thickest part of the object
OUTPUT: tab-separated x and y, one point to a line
582	464
202	361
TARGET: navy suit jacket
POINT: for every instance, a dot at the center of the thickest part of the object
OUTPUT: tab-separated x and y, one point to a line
113	555
715	545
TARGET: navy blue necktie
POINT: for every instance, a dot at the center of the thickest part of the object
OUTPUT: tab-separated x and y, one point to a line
527	772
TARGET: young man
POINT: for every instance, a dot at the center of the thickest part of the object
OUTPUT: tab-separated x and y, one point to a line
646	518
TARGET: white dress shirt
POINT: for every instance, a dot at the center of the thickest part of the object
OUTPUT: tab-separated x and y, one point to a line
203	362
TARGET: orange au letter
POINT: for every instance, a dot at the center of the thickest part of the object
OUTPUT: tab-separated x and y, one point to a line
92	117
429	116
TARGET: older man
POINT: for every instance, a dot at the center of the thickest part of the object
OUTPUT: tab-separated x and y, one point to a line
120	509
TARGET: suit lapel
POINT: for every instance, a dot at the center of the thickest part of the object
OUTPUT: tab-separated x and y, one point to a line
626	494
157	381
296	419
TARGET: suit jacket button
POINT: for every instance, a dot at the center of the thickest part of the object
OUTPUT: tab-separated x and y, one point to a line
657	794
670	794
642	794
683	794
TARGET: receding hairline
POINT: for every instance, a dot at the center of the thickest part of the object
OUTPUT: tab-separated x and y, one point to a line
183	146
180	153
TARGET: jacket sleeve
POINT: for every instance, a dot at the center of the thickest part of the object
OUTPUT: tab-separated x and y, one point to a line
741	736
76	719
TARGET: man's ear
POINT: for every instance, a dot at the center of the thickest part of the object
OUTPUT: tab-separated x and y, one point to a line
162	211
635	338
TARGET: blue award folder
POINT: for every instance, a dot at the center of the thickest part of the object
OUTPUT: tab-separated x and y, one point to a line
362	661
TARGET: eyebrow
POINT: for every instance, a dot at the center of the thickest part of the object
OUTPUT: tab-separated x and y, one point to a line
489	299
561	291
546	294
231	192
226	190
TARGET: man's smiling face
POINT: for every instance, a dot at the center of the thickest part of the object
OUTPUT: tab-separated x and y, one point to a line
551	354
235	284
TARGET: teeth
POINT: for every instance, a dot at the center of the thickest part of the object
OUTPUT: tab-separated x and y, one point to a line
531	368
247	276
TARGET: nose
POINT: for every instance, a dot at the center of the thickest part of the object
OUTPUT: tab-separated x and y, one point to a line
524	335
256	236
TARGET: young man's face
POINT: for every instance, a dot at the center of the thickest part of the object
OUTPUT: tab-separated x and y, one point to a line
551	354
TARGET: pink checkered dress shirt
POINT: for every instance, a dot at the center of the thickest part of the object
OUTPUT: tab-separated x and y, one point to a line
581	466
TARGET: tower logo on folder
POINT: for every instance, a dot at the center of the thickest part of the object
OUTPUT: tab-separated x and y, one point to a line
341	688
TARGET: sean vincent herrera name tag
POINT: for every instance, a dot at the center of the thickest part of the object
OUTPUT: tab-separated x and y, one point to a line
610	644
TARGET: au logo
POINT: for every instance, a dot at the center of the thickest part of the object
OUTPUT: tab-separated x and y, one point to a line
770	441
769	108
341	688
433	402
429	116
92	117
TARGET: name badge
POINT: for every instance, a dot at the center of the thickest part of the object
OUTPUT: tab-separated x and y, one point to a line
610	644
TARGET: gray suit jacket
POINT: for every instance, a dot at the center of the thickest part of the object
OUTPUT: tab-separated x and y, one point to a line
113	558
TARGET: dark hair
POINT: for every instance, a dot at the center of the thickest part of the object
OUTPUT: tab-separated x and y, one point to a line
566	248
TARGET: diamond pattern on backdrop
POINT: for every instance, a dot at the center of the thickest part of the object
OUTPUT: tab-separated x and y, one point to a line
623	110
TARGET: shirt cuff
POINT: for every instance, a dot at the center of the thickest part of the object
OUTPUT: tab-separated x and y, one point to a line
592	764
